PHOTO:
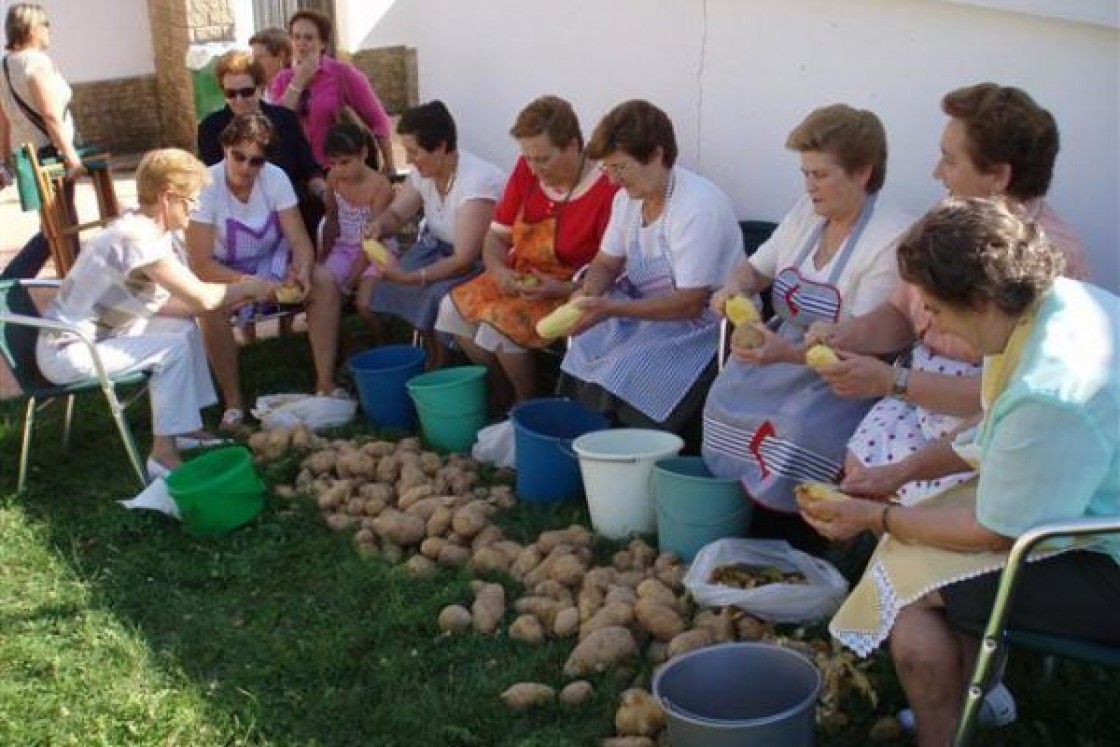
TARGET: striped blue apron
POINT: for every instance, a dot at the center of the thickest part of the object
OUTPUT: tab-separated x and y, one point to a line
777	425
650	365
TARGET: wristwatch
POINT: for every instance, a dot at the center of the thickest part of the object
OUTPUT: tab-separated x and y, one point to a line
901	385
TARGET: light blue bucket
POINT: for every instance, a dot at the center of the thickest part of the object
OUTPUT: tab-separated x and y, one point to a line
693	508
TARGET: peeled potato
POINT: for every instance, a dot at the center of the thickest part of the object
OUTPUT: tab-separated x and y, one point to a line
559	322
819	491
375	251
819	356
746	336
525	280
740	310
289	293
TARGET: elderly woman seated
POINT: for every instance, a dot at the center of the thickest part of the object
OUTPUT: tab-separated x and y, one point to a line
457	191
770	420
1047	449
132	293
247	224
645	343
997	141
548	223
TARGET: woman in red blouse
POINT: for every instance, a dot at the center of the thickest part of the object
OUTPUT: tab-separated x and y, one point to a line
547	225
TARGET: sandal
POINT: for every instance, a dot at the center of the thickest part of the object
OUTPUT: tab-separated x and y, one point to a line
198	440
231	419
156	469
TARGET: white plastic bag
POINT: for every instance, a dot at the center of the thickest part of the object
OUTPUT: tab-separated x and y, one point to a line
787	603
495	444
287	410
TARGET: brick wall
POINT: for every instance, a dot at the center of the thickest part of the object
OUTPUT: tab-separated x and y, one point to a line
121	115
393	73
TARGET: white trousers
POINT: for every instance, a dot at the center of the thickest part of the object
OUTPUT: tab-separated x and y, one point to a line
450	321
171	349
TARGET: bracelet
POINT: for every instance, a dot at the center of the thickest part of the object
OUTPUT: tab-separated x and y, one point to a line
423	276
885	520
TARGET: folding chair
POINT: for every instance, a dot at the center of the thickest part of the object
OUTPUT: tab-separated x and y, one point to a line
996	635
755	234
59	226
20	322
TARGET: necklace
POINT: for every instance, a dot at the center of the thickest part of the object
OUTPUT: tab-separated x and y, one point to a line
443	193
580	172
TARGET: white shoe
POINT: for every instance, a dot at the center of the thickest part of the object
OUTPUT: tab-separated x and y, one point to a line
156	469
998	709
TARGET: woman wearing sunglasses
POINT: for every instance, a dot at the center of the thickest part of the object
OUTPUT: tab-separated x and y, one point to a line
247	223
242	78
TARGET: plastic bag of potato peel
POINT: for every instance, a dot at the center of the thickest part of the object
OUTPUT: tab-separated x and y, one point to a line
817	599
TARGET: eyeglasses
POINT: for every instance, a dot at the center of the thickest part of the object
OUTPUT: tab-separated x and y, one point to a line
191	202
614	170
247	92
255	161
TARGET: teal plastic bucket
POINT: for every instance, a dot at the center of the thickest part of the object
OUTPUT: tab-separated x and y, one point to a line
693	508
543	429
217	491
451	404
739	695
380	376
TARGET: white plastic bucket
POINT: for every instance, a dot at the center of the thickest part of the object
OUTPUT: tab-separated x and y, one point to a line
616	466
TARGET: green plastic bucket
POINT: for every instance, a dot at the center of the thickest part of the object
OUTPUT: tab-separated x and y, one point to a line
451	404
693	508
217	491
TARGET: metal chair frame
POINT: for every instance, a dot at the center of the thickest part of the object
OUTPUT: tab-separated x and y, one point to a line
996	635
39	397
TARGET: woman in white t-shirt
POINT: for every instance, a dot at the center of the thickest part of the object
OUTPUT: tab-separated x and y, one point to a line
34	108
248	224
457	191
134	295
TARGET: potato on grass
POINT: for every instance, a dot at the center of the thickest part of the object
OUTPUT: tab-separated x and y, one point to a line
489	607
419	566
601	650
639	715
454	618
526	695
575	693
689	641
527	629
661	621
627	742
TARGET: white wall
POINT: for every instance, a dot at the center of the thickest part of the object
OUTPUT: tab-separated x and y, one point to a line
95	40
737	75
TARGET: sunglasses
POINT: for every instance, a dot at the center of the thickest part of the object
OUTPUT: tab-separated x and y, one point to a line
246	93
255	161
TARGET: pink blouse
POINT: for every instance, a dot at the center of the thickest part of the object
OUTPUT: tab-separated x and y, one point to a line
336	84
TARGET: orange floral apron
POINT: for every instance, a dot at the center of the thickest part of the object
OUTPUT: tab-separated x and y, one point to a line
482	299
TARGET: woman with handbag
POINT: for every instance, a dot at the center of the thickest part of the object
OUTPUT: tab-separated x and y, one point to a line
323	91
34	108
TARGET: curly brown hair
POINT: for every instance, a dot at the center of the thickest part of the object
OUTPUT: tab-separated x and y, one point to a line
966	251
548	115
638	129
1004	125
252	127
855	138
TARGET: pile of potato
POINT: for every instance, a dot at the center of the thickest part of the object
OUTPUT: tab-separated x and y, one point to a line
414	506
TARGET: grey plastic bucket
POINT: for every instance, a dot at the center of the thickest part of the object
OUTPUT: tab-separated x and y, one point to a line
739	695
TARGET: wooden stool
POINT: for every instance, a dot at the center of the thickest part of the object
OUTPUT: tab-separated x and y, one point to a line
60	225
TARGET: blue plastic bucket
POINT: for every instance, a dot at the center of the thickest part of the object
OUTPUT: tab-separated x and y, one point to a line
381	375
543	429
451	404
693	508
739	695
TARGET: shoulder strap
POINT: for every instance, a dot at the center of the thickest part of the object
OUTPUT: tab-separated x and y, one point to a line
30	113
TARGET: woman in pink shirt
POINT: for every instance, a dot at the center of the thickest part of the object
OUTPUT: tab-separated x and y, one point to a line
318	88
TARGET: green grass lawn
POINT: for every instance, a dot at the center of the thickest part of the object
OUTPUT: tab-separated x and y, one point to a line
116	628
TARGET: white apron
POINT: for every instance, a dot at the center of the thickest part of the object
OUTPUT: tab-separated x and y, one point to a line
777	425
650	365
